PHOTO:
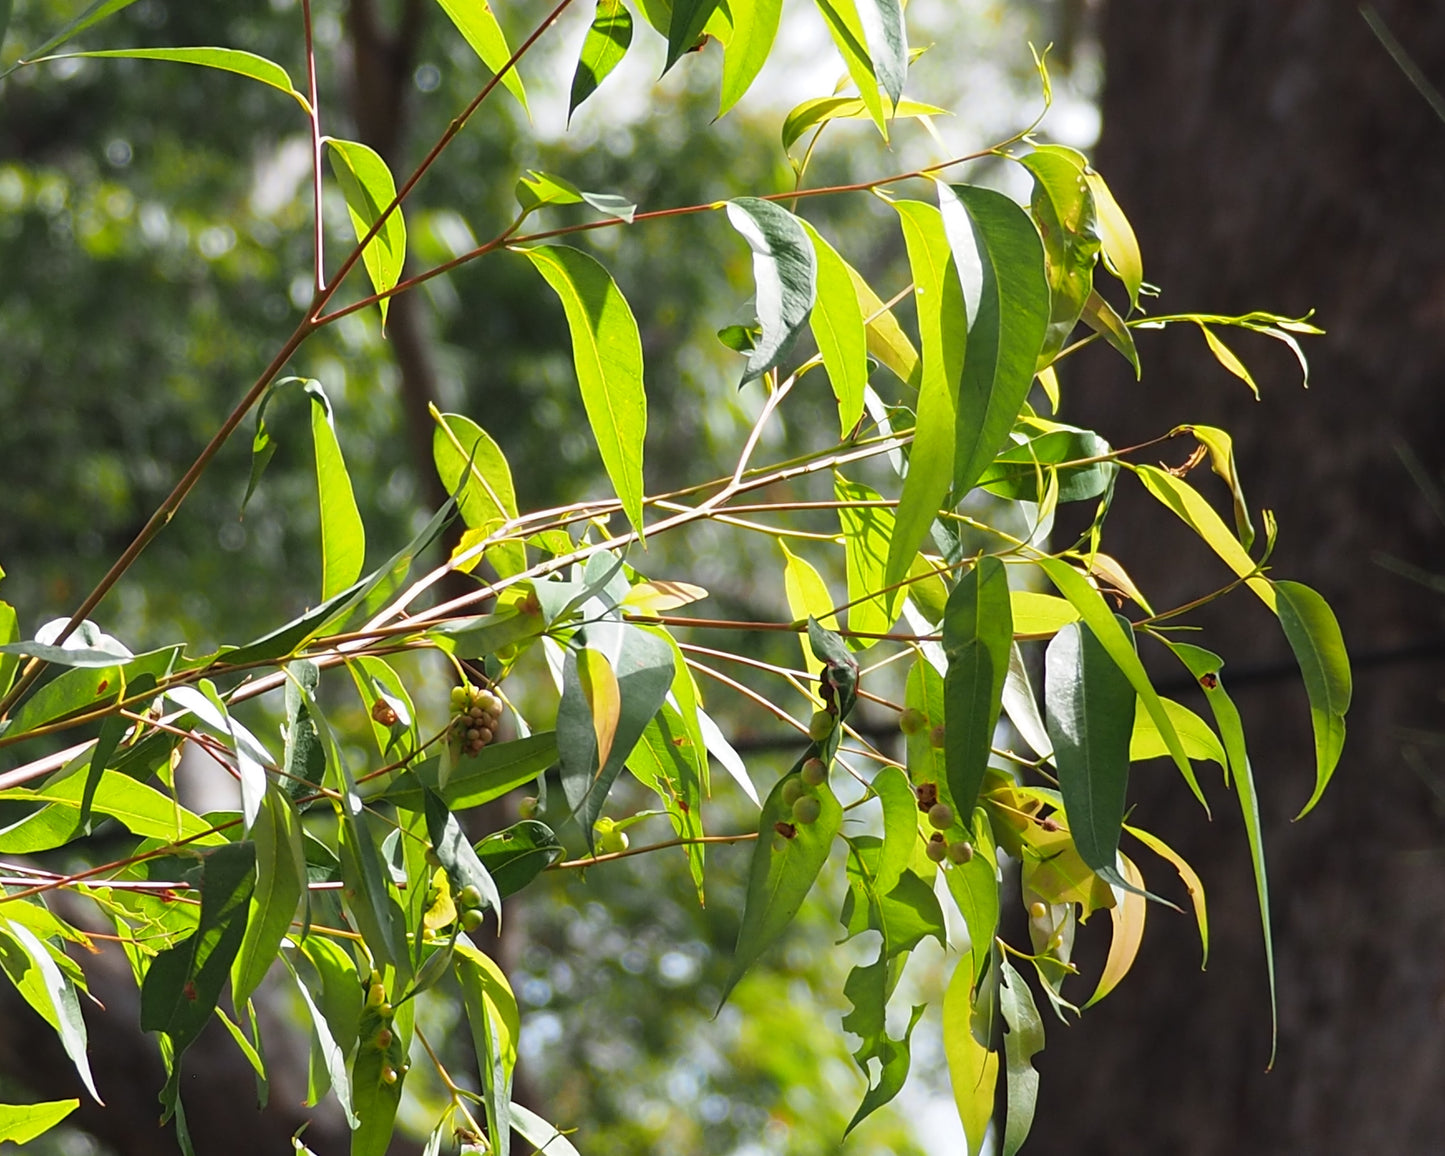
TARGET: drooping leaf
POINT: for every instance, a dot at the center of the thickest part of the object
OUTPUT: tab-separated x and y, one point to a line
543	1137
1127	915
1118	643
838	329
1089	711
786	860
205	703
1121	249
516	855
378	1071
1063	207
26	961
784	273
1100	316
1198	739
142	810
280	881
1023	1040
367	885
808	597
369	189
335	1013
977	636
246	64
22	1123
1001	266
894	1061
644	673
754	27
9	634
536	189
495	1024
184	982
472	467
943	332
886	339
867	533
975	890
1221	460
1191	880
1040	614
847	30
1319	648
887	40
661	761
1050	453
501	767
689	17
1227	358
463	866
972	1067
478	25
93	14
607	355
606	43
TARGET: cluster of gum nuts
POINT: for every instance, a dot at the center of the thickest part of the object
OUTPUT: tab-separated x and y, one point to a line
799	795
940	818
477	713
376	1002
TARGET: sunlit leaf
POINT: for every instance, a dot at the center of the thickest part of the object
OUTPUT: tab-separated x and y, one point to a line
21	1123
1035	613
1192	884
975	889
784	273
1319	648
1221	460
378	1071
35	974
1100	316
754	27
846	27
1127	916
972	1067
689	17
1121	249
142	810
501	767
607	355
93	14
605	45
478	25
808	597
838	329
1196	736
472	467
886	339
495	1025
867	532
820	110
1063	206
369	189
246	64
1226	357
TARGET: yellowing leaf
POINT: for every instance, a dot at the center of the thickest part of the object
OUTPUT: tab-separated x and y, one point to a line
972	1068
1226	358
657	596
1198	738
1128	925
604	699
807	597
1192	883
1040	613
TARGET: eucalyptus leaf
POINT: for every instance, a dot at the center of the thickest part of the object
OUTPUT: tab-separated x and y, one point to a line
785	274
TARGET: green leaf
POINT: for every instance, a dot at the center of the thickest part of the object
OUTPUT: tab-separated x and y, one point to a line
496	1025
87	645
808	597
280	883
1023	1040
1319	648
1099	316
607	354
1226	357
894	1061
644	670
1121	249
303	763
543	1137
369	189
887	39
37	976
251	757
924	693
1001	266
1198	739
1119	644
92	16
689	17
1206	666
517	854
974	887
886	339
463	866
142	810
785	273
184	982
1221	460
977	636
972	1067
21	1123
1089	712
661	761
538	188
367	887
479	27
606	43
335	1014
837	326
474	470
1063	207
786	860
9	634
1016	473
1192	884
846	28
225	59
1035	613
750	40
501	767
820	110
73	691
867	532
1196	513
942	330
378	1072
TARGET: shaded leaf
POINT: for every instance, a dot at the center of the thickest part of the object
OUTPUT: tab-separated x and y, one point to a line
495	1024
501	767
463	865
280	883
1099	316
887	39
1319	648
1023	1040
689	17
378	1071
517	854
977	636
975	889
606	43
785	275
607	355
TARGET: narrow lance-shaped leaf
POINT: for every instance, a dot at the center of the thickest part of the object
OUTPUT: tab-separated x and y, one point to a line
1089	711
785	274
867	535
606	43
22	1123
1121	248
846	28
97	11
1190	878
280	882
1319	648
607	355
1100	316
750	40
378	1071
837	325
886	35
808	597
471	466
478	25
1127	916
689	17
942	330
1023	1040
492	1013
246	64
822	109
975	889
972	1067
977	636
1001	266
369	189
36	975
1063	207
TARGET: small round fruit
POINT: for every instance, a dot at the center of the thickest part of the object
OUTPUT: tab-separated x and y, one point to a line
484	734
937	851
472	918
940	816
388	1076
807	809
375	995
459	698
383	1039
814	772
911	721
612	841
527	808
935	736
1037	910
384	1010
792	791
960	852
1056	941
469	896
820	726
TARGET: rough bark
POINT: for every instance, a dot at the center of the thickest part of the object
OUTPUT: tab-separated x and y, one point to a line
1272	156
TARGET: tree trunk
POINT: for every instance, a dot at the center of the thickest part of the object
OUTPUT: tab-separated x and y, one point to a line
1273	156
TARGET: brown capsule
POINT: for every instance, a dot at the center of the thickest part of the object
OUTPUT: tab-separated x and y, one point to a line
1209	681
484	733
940	816
384	713
937	851
473	734
927	795
383	1039
960	852
1049	824
935	736
786	830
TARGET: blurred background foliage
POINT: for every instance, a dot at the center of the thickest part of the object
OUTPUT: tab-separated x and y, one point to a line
154	229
